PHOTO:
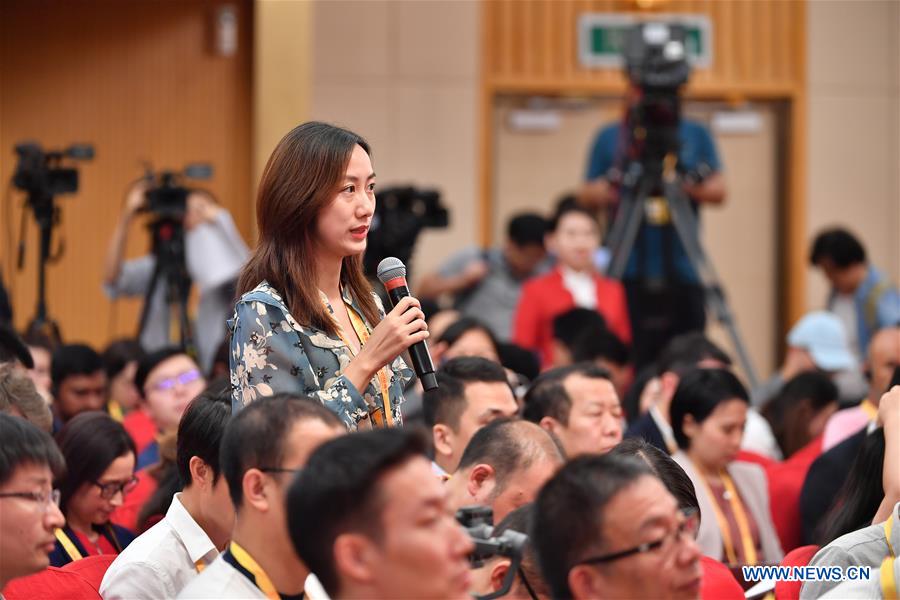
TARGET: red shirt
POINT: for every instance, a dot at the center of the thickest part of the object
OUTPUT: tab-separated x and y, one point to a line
101	546
544	298
785	484
718	581
140	427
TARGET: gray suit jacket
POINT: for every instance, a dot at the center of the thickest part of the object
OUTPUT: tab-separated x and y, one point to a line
750	480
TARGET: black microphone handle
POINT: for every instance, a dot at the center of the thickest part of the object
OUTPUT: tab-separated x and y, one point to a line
418	352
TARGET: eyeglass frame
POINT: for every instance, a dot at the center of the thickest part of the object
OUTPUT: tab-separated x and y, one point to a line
44	499
691	517
116	487
171	382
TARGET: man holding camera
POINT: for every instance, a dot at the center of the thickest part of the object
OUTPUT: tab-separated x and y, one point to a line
214	253
665	297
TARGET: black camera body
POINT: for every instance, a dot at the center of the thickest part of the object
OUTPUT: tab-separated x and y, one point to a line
167	194
39	172
657	66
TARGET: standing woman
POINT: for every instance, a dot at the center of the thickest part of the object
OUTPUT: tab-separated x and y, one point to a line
99	474
308	321
709	412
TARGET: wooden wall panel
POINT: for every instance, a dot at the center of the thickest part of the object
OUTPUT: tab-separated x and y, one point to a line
139	80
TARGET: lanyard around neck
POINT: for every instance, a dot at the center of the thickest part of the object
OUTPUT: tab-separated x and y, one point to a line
250	569
740	515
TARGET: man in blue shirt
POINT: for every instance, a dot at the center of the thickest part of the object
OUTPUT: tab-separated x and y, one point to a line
665	296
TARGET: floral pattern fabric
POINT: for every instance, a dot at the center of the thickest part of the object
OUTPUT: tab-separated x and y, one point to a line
272	353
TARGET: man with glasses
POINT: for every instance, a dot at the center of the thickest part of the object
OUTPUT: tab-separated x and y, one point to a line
263	447
29	461
167	380
606	527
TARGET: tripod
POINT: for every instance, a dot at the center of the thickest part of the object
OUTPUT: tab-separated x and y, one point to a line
640	181
45	213
171	271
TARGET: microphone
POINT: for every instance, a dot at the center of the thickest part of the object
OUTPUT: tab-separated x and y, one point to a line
392	273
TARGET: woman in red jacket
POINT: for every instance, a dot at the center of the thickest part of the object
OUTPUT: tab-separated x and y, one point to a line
574	238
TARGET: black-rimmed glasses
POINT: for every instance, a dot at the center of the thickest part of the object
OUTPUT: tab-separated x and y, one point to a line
109	490
688	527
44	499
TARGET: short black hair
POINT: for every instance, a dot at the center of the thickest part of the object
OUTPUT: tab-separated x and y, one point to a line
519	360
698	394
838	245
12	348
89	442
338	491
73	359
570	512
663	466
812	387
255	437
568	205
684	352
547	396
603	344
575	322
520	520
25	444
150	361
527	229
201	429
464	325
119	353
509	445
447	402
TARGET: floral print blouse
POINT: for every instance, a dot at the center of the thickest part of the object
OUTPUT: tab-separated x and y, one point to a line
272	353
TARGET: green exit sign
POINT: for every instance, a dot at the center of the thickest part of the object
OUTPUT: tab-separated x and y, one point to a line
601	38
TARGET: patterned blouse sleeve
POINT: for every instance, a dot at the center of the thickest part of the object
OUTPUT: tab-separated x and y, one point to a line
267	358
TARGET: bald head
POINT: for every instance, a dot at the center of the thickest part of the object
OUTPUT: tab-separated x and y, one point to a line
504	466
884	357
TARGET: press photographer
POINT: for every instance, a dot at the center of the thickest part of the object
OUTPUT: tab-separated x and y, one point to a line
194	242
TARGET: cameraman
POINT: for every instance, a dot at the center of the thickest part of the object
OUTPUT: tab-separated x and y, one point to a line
665	296
204	221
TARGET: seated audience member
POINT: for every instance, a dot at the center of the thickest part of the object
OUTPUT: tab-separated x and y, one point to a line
568	327
883	358
41	348
798	413
504	466
99	474
577	404
528	583
606	527
29	463
439	321
574	238
79	382
818	341
120	359
368	519
863	298
466	337
709	412
682	354
487	284
608	352
471	393
827	473
718	581
263	446
167	380
20	397
198	523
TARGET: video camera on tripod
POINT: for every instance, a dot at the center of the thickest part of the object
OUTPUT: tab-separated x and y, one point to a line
167	195
41	175
478	523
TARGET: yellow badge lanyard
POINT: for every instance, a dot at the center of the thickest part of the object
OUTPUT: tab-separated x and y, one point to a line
260	579
740	515
362	332
870	409
888	576
68	545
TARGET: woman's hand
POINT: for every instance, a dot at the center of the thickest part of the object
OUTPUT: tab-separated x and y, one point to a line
400	329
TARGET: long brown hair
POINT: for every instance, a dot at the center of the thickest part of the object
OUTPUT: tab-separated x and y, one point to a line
301	178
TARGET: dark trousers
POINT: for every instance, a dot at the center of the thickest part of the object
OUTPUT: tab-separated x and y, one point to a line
660	314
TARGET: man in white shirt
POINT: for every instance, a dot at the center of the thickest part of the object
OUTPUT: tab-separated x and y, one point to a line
197	526
264	445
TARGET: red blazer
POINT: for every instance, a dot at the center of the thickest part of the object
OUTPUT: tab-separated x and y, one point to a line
545	297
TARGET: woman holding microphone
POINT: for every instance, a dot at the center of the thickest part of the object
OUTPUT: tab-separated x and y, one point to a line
308	321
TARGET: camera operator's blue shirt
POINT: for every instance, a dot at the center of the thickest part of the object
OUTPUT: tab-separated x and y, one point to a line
697	148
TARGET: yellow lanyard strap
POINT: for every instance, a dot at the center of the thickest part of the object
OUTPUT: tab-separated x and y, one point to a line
888	528
67	545
870	409
740	515
888	579
262	580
